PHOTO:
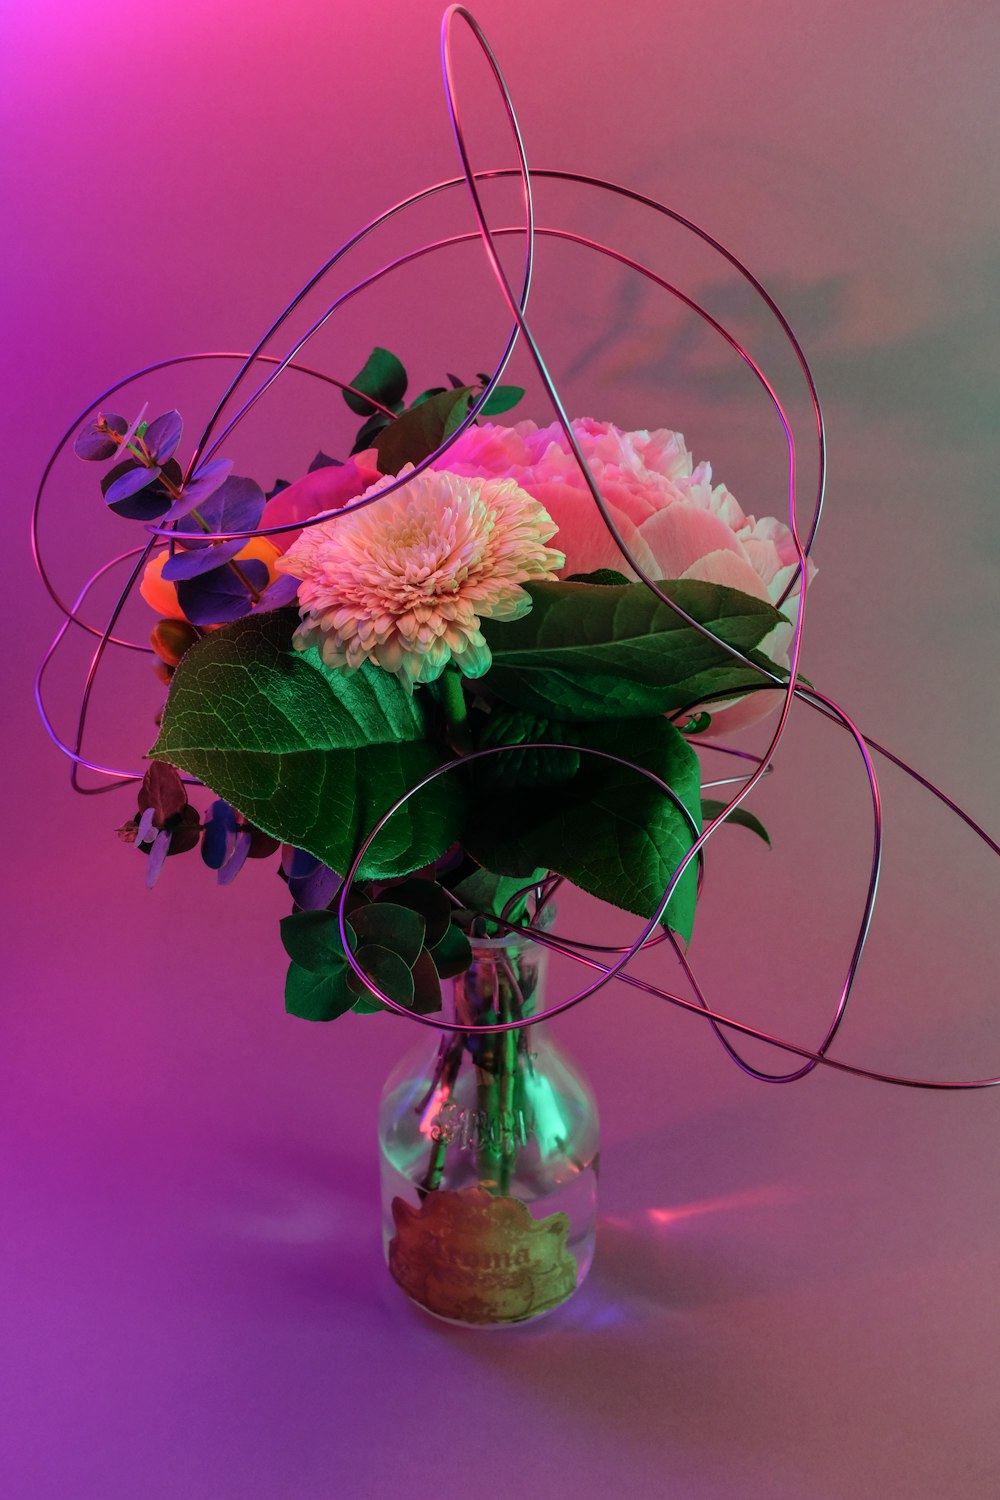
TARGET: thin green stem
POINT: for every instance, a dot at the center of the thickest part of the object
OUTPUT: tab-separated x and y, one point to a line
443	1084
146	458
507	1063
451	696
435	1170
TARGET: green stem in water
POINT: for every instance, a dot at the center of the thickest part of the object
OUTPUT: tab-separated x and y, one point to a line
489	1163
507	1062
444	1080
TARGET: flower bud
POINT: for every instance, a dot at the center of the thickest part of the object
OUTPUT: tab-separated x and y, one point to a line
171	638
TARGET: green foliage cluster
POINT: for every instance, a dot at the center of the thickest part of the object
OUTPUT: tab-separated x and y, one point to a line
315	757
413	432
580	771
404	941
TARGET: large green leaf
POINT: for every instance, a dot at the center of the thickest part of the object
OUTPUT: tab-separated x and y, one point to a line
589	651
610	830
311	756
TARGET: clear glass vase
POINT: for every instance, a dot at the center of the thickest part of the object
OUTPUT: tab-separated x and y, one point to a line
489	1155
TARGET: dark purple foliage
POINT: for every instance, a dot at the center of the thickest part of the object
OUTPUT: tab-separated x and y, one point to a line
237	505
162	436
220	834
216	597
234	864
204	482
94	442
129	482
312	884
199	560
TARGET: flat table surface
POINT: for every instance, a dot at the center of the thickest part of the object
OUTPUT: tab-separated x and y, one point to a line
795	1291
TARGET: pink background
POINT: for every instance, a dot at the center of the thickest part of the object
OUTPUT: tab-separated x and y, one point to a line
795	1289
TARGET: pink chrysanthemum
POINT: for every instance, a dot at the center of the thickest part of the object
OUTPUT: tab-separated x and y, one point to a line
404	583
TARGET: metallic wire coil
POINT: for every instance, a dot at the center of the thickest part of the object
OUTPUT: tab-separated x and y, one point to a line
607	962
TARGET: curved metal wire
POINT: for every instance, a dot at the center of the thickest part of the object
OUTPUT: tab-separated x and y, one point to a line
165	533
456	13
616	969
470	180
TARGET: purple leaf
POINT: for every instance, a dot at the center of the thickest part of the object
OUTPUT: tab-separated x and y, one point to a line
146	504
237	859
283	590
137	423
219	596
162	436
219	839
297	863
158	853
237	505
129	483
94	444
322	461
204	482
315	890
147	826
312	884
199	560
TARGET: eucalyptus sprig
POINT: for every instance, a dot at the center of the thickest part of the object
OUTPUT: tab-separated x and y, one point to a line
148	484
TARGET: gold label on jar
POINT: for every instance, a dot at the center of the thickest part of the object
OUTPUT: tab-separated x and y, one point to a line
469	1256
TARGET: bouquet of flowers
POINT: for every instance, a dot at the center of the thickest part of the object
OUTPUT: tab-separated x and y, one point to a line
422	669
433	678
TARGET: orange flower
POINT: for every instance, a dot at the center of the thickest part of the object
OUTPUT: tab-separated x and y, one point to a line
161	595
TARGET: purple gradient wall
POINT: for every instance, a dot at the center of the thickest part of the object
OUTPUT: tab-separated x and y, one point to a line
796	1288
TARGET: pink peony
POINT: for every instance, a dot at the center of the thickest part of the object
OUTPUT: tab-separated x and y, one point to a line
675	523
404	583
324	489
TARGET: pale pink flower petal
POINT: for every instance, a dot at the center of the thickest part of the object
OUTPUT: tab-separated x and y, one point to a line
405	582
680	535
673	520
727	568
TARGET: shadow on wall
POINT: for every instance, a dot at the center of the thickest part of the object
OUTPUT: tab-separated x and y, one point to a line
939	371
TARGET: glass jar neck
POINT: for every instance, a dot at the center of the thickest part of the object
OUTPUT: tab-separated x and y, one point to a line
504	982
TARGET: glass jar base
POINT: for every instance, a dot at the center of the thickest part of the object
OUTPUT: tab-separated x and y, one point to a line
489	1155
491	1327
477	1259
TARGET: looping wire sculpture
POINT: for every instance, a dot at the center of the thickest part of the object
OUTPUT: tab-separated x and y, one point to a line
604	962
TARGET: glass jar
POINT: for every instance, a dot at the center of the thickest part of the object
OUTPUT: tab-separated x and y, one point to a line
489	1154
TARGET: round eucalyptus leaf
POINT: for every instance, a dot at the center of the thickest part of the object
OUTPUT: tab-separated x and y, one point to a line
396	928
387	970
427	898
